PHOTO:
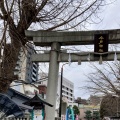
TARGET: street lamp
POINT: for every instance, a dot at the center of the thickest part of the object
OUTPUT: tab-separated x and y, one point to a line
117	98
60	107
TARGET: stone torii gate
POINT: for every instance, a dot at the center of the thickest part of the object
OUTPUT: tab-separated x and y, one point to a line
55	56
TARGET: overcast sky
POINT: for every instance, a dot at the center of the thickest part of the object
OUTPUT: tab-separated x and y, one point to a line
76	73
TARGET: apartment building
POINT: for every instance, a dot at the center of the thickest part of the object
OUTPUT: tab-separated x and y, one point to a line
67	90
95	100
26	70
67	87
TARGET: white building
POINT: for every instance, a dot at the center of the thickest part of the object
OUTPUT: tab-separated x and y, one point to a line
26	70
67	90
67	87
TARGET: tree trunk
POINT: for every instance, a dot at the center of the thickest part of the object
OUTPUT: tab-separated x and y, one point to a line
11	52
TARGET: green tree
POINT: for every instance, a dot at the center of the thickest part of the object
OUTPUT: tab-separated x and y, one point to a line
76	110
96	115
88	115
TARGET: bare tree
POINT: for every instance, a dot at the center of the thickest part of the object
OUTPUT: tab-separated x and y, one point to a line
105	81
19	15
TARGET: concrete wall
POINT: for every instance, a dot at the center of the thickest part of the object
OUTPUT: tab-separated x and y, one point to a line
64	107
72	104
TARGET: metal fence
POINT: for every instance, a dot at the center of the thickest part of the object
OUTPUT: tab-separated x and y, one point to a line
26	117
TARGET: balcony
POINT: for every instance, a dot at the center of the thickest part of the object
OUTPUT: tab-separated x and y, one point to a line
34	69
17	68
18	62
34	79
35	64
34	74
16	72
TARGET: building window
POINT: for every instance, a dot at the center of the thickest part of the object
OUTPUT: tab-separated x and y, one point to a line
34	71
34	76
34	66
71	91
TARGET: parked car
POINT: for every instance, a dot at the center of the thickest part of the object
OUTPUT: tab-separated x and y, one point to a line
111	118
106	118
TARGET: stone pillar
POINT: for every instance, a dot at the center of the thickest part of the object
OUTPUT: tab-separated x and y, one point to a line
52	81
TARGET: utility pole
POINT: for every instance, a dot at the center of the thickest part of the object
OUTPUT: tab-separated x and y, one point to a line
60	106
0	64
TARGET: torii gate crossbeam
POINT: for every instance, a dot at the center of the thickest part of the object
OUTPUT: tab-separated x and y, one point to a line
58	39
42	38
75	57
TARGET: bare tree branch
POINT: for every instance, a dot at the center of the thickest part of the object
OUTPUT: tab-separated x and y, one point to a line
70	19
104	80
19	15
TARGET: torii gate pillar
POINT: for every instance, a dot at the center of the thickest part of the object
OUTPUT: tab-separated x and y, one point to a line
52	81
